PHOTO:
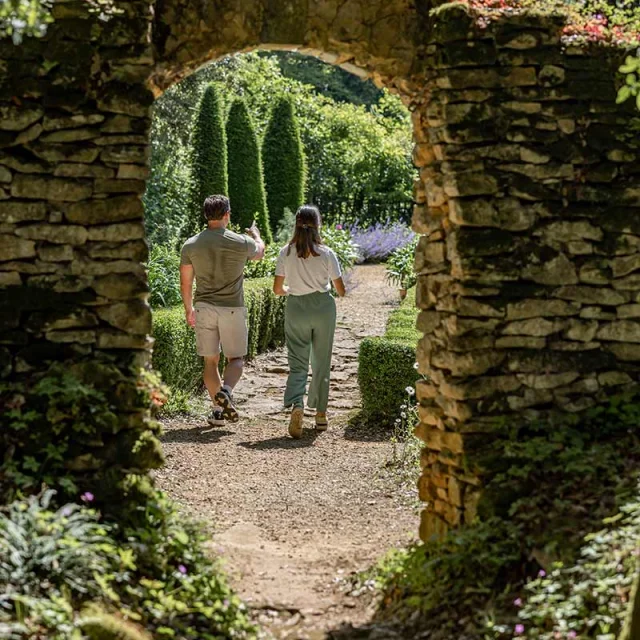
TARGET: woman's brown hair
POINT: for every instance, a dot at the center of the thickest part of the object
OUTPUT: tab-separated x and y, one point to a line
306	235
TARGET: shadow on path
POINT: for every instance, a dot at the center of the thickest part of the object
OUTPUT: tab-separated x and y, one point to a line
282	442
362	431
204	435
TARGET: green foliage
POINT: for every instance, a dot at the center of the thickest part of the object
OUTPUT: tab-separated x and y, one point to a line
65	575
286	228
386	365
587	598
174	353
66	422
367	148
448	582
264	268
208	157
326	79
548	488
164	276
166	204
341	242
631	86
536	470
19	18
284	162
401	266
246	180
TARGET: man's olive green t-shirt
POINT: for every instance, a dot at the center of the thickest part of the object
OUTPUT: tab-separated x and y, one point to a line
218	257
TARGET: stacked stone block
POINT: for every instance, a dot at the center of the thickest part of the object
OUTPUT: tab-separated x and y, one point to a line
529	263
74	121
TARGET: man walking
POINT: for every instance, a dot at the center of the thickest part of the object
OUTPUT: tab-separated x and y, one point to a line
215	258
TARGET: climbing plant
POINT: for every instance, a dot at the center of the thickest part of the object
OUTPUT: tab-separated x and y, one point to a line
208	157
246	180
284	162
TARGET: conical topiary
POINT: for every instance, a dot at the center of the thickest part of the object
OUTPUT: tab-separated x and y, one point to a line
246	180
208	157
284	163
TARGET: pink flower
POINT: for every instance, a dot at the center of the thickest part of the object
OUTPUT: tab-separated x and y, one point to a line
339	227
518	602
519	629
572	634
542	573
87	496
182	569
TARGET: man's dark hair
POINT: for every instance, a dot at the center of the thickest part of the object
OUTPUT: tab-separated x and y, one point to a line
216	207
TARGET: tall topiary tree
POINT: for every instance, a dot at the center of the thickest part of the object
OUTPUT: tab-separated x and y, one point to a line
208	157
246	180
284	162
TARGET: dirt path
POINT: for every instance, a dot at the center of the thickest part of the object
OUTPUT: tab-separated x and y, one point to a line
293	517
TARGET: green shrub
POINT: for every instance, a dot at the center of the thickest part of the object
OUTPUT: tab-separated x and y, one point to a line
264	268
401	266
343	246
164	276
547	489
174	352
61	427
284	162
65	574
386	365
246	179
208	157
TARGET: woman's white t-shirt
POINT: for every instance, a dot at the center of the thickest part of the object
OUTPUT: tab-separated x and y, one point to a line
308	275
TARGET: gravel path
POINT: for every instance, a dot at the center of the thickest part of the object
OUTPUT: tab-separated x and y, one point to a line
293	517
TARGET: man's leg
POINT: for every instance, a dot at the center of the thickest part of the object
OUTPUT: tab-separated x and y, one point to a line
233	372
211	375
208	346
234	338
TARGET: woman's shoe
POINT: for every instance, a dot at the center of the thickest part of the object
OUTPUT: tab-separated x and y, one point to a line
295	422
322	424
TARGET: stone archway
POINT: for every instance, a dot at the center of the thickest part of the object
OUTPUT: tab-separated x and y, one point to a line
530	251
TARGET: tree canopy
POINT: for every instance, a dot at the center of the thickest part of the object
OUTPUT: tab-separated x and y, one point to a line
246	179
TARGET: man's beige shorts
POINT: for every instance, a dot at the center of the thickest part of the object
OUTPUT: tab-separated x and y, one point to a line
226	326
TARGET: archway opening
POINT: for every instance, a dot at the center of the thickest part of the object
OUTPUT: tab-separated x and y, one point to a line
264	495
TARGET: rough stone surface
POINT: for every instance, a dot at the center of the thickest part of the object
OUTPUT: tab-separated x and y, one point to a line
527	197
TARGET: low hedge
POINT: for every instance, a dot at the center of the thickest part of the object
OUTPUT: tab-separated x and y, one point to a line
174	351
386	365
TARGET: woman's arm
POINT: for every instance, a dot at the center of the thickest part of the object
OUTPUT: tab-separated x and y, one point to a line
338	283
278	286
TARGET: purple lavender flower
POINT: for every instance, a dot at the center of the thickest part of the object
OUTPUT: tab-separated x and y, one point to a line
518	602
542	573
182	569
380	240
87	496
519	629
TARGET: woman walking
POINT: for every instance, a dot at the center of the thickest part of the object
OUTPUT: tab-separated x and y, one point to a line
308	268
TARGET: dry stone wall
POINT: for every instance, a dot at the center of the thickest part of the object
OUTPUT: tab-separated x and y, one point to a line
74	119
526	201
529	262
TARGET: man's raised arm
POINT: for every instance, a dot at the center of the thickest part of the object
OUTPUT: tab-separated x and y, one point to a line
254	233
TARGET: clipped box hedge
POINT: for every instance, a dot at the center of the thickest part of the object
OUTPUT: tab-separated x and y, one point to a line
174	351
386	365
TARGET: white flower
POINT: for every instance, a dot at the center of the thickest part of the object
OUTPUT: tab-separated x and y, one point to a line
404	406
403	414
410	390
416	365
398	420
